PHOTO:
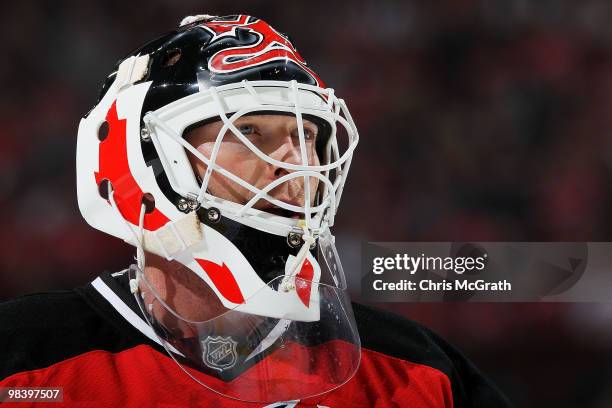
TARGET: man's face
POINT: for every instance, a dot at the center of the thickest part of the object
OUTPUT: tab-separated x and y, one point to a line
276	136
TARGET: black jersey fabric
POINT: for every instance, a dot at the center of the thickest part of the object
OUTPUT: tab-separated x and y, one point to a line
94	343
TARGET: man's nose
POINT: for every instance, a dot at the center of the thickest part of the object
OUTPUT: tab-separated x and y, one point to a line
287	150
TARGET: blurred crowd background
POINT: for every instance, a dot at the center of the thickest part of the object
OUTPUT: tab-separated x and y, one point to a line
479	120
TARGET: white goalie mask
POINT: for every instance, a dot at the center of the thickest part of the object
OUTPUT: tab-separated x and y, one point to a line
286	330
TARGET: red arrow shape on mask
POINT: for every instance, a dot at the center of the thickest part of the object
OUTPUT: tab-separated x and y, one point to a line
303	283
223	279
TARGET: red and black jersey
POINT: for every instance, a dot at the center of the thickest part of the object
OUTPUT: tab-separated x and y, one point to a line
95	344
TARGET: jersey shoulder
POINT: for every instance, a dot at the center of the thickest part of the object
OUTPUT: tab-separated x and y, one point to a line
394	335
41	329
398	337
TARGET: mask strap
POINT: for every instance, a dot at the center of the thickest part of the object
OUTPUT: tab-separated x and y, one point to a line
138	237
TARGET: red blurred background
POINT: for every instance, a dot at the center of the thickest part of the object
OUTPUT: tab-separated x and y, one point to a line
479	120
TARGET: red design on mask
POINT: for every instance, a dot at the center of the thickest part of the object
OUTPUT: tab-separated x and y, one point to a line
223	279
303	282
269	46
114	167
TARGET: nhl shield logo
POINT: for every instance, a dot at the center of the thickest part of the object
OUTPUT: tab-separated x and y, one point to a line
219	352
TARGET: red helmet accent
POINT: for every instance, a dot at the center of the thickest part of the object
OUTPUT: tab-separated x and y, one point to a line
115	168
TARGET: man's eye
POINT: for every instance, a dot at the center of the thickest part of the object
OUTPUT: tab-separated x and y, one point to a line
309	134
246	129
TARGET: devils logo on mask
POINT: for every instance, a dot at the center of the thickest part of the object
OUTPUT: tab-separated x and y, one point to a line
269	45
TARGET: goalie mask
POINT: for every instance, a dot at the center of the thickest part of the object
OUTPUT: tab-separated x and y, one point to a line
261	245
